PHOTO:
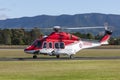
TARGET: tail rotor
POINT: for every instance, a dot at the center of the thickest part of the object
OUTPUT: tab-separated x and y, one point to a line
107	35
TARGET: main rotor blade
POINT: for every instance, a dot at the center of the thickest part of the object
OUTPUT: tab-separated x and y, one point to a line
63	28
85	27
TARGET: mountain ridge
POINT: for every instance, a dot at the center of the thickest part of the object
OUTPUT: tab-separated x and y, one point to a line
87	19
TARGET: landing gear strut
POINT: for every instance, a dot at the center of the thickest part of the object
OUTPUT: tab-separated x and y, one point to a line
34	56
57	56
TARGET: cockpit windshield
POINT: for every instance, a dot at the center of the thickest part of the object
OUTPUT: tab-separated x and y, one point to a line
37	43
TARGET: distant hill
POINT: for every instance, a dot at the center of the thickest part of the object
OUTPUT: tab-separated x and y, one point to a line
89	19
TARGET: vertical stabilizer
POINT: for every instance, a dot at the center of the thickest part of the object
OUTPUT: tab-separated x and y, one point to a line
106	37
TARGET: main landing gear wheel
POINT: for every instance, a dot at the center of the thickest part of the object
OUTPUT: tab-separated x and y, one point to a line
34	56
57	56
71	56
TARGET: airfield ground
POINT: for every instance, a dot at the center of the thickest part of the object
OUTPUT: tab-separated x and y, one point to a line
19	53
60	70
92	64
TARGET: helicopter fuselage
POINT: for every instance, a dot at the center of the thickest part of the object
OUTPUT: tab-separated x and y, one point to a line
59	43
63	43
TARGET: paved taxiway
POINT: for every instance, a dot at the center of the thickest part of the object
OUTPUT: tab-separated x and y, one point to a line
54	59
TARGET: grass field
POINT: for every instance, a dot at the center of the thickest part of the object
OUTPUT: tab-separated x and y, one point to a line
19	53
61	70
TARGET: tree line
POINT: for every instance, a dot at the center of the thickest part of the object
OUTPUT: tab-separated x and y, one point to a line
26	37
18	36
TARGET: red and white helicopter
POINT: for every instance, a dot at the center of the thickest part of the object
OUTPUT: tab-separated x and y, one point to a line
63	43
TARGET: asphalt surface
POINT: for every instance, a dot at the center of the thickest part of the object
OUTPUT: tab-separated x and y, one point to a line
62	58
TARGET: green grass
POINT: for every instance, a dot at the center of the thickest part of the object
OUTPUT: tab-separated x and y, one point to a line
99	53
60	70
13	53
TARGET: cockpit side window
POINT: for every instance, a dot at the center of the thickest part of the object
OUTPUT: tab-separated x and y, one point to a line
39	44
34	43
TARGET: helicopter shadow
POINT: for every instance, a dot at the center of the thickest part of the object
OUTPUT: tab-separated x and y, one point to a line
56	59
65	58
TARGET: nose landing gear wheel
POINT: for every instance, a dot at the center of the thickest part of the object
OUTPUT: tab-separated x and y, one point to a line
34	56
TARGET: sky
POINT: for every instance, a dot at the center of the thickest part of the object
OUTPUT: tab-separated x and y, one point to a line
30	8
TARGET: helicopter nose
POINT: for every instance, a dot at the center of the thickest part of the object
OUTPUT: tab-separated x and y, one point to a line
26	50
29	49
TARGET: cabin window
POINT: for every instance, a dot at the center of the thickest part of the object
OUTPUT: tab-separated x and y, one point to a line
50	45
57	45
62	46
44	45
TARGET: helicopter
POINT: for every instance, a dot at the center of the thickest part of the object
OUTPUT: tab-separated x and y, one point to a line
63	43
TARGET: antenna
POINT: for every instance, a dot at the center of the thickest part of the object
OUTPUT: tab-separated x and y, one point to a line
106	26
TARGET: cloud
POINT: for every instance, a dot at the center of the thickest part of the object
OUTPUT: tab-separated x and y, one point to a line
3	16
4	9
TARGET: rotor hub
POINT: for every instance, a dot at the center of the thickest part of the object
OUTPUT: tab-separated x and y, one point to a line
57	28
